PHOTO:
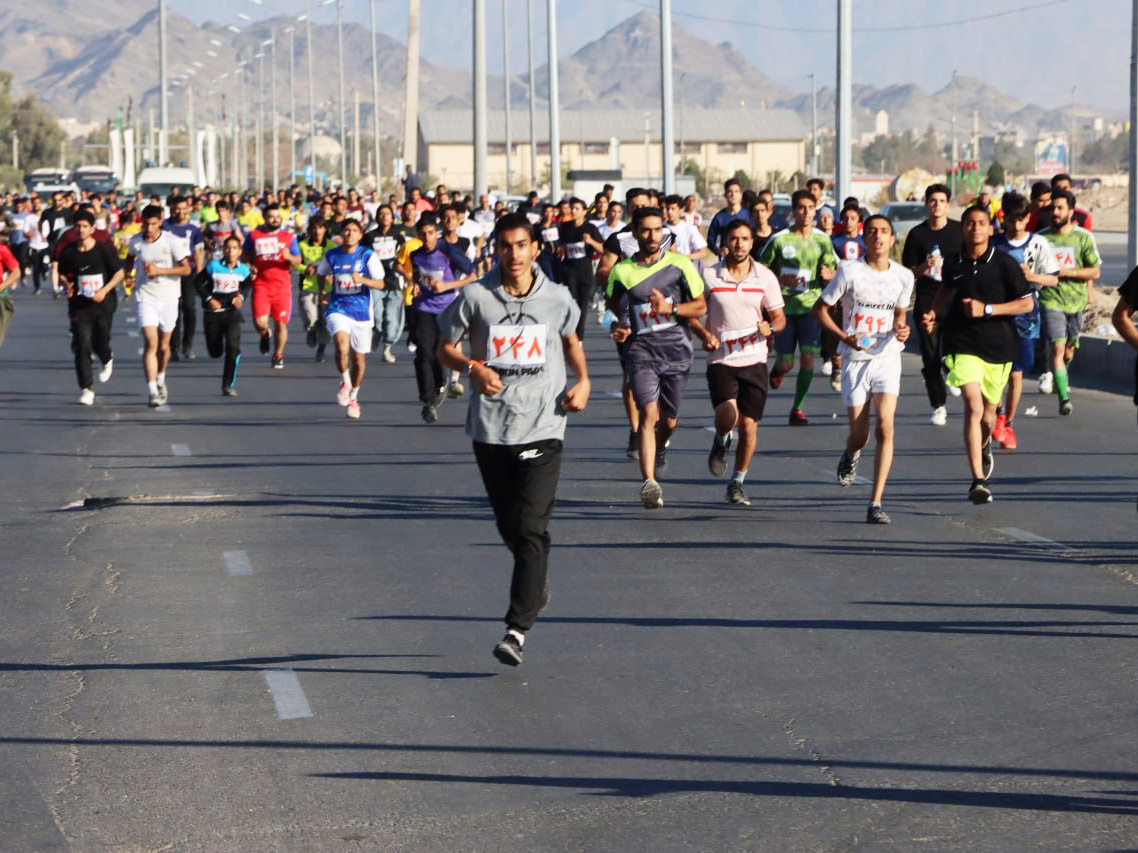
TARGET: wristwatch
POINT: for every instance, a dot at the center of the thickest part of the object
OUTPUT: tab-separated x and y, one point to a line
988	310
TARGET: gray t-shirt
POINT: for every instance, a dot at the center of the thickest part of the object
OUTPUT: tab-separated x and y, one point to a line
521	338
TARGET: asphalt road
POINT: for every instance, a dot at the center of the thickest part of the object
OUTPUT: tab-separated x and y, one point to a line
271	628
1112	247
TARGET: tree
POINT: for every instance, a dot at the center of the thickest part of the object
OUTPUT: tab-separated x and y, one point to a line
996	176
40	135
691	168
744	179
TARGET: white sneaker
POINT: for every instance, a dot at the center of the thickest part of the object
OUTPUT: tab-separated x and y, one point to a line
1046	383
354	409
105	373
344	394
953	390
455	389
940	416
388	355
827	368
87	398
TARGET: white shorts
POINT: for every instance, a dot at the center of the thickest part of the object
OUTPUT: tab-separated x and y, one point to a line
359	331
152	312
861	379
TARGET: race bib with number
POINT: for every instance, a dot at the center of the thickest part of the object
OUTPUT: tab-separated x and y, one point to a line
346	284
227	283
520	345
267	248
737	343
1066	256
852	251
648	321
384	248
550	235
574	251
89	284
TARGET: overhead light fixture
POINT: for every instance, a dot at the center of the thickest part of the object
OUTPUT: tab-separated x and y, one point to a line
233	29
215	42
303	17
212	53
243	16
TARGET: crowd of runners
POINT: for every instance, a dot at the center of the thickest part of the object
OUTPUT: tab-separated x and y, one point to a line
494	304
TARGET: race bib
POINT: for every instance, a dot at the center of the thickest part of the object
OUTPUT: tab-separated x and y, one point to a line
738	343
89	284
797	281
226	283
267	248
648	321
574	251
871	322
1066	256
550	235
520	345
852	250
384	248
346	284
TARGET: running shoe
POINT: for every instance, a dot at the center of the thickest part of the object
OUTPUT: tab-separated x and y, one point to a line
953	390
320	354
836	382
354	409
388	355
798	418
1065	407
105	373
155	400
847	468
440	397
175	355
735	494
264	345
310	337
456	389
509	651
1046	383
278	362
775	380
987	460
411	347
1009	442
980	493
633	451
545	596
344	394
429	413
940	416
661	459
717	458
87	398
229	391
876	515
827	368
163	395
651	495
998	428
188	354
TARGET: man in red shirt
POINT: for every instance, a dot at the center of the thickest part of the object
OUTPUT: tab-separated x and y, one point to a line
9	277
273	253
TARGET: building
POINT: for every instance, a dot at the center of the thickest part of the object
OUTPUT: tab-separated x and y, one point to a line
720	142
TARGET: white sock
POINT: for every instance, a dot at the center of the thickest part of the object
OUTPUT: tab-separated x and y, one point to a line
346	377
161	378
739	477
152	387
354	394
875	503
517	635
721	440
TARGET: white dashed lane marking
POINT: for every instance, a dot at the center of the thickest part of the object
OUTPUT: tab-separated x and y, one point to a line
287	695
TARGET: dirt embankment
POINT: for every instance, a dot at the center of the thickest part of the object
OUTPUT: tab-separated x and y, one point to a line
1107	206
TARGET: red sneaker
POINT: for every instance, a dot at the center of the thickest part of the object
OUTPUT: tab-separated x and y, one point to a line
1008	442
776	380
998	428
798	418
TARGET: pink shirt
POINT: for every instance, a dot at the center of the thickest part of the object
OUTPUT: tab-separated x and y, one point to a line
734	309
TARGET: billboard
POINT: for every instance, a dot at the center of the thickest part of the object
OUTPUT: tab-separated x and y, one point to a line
1050	155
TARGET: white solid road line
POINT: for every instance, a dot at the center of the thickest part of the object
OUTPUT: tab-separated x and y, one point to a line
130	318
287	695
141	350
180	450
236	563
1032	539
132	333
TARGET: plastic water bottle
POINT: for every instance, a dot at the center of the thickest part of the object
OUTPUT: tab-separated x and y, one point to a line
865	340
937	268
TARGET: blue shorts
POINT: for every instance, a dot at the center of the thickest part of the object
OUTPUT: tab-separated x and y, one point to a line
658	383
1025	358
803	331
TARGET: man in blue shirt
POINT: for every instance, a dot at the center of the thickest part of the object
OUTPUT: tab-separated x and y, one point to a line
733	192
189	236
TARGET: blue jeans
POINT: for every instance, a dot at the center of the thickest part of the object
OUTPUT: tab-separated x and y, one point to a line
387	306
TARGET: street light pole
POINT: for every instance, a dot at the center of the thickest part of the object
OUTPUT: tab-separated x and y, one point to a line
506	75
554	107
163	86
1132	229
291	30
343	129
273	109
813	125
844	135
311	96
667	137
374	94
260	147
952	165
532	100
480	145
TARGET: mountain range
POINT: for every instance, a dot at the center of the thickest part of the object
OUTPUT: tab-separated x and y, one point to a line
85	61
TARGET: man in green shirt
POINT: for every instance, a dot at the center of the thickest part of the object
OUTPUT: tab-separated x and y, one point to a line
803	260
1062	304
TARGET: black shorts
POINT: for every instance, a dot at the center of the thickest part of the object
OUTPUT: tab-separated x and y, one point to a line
747	386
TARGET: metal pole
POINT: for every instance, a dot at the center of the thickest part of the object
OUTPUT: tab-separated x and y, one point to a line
163	85
1071	145
667	137
952	166
844	122
341	122
356	133
260	122
532	100
480	146
410	146
813	124
506	75
192	137
1132	229
683	147
311	95
291	105
374	94
273	108
554	107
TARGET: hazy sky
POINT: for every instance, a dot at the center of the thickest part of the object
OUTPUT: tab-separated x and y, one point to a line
1035	52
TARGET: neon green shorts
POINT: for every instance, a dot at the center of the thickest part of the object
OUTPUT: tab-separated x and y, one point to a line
969	369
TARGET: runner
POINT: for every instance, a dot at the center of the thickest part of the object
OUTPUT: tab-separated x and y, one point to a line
741	294
982	291
37	244
313	247
1041	269
659	292
926	247
803	259
157	261
387	304
874	296
437	270
10	278
220	229
521	332
579	240
1062	181
273	253
733	193
763	231
352	271
1080	266
223	287
612	222
1124	322
92	272
687	238
182	229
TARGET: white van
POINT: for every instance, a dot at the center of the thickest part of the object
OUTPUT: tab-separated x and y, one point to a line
161	180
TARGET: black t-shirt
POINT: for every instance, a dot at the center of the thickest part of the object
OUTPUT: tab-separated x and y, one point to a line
922	240
88	271
386	246
761	243
1129	290
578	255
992	278
623	242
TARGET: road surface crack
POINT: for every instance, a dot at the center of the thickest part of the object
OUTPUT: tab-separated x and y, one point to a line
800	744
